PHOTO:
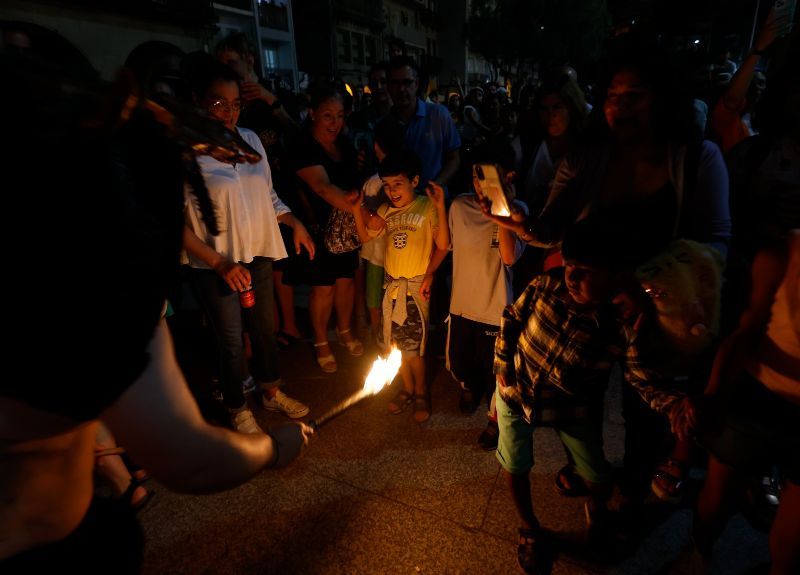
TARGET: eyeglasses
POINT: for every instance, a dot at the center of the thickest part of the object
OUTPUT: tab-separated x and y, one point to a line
407	82
220	106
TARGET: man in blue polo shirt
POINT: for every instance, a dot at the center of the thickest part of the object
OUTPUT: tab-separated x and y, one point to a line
430	131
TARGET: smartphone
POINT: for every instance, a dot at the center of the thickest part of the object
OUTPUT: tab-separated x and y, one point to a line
785	8
491	187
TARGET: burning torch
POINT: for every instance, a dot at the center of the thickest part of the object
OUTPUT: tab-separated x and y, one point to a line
382	373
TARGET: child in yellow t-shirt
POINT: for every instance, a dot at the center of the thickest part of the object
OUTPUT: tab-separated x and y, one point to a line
417	238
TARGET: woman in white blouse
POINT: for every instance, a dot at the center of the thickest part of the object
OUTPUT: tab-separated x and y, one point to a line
248	211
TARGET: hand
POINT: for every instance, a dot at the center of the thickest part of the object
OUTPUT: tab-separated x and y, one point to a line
303	239
683	418
235	275
355	200
289	440
436	193
769	31
252	91
517	222
630	307
425	289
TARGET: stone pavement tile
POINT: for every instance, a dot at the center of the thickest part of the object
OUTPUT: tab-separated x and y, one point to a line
317	526
437	467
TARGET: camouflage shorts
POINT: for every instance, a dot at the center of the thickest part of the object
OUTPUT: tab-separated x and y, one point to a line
407	337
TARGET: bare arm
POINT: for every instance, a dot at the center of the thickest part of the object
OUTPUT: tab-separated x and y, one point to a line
508	245
735	95
299	233
158	422
766	275
317	179
235	275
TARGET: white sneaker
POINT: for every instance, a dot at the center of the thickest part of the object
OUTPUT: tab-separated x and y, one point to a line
285	404
244	422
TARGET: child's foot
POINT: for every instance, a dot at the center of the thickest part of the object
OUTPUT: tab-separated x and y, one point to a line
422	409
400	402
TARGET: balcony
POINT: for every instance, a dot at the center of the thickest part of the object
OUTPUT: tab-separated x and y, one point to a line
272	15
366	12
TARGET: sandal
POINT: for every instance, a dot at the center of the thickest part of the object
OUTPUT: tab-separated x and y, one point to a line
400	402
354	346
570	484
126	499
326	362
529	552
422	409
668	480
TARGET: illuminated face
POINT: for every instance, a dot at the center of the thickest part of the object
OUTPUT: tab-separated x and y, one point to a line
684	284
554	115
403	86
629	107
327	120
400	189
222	102
587	285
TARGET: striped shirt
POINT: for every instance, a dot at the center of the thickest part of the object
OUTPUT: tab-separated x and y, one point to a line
555	349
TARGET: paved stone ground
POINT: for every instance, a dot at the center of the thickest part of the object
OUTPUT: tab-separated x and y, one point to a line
377	493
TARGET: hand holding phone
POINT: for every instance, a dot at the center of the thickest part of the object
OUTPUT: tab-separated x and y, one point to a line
488	184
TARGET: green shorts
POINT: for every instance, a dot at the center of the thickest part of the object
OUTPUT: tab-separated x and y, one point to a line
583	440
374	288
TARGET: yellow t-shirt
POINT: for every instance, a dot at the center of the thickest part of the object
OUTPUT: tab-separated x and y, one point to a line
410	233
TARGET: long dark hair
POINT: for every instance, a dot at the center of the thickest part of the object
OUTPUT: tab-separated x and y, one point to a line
673	115
568	90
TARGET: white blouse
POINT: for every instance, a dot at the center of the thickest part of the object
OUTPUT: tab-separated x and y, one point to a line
246	208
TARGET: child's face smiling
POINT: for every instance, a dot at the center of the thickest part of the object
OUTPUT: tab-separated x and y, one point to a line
400	189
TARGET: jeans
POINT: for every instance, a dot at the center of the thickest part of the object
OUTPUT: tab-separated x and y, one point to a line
221	305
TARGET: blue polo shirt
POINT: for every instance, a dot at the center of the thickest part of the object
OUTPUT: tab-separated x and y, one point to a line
431	133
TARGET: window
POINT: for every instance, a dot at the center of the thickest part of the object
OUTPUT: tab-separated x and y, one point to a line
357	43
271	61
343	46
370	50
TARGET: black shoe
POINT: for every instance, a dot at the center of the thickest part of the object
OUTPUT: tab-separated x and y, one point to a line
489	436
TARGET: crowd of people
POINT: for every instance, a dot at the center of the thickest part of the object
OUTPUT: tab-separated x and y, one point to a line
560	239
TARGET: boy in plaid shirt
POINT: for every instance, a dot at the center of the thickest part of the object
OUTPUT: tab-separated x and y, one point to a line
553	357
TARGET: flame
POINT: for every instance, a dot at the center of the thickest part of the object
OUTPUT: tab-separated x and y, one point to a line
382	372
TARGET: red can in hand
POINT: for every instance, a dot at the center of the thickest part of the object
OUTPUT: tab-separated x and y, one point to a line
247	297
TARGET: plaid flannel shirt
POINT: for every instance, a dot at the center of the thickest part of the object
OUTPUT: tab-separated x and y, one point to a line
551	346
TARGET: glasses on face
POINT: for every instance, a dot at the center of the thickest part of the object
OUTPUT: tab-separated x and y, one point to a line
223	106
407	82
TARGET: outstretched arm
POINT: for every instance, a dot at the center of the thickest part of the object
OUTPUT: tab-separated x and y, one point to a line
159	423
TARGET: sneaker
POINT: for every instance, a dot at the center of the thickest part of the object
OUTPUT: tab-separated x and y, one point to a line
285	404
244	422
248	385
489	436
